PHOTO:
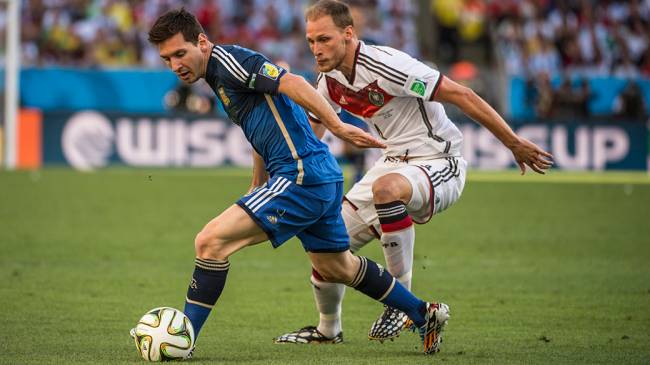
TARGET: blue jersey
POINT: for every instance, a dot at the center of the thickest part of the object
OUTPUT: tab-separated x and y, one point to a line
247	83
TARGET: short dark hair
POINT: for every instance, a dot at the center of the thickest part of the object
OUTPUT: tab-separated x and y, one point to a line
339	12
174	22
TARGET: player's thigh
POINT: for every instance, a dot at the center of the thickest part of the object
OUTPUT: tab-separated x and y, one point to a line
359	231
229	232
436	185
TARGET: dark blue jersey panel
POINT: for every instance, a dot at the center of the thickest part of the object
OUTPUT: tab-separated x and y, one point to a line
247	83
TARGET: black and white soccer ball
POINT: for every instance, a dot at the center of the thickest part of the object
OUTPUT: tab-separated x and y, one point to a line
164	334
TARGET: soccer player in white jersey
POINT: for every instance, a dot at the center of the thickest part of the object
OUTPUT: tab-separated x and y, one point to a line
421	172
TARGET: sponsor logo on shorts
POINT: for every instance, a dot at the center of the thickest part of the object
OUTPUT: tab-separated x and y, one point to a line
272	219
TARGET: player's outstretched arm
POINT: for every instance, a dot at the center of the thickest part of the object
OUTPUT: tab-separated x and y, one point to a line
305	95
526	153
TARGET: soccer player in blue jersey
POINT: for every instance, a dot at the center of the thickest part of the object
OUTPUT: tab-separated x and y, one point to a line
303	185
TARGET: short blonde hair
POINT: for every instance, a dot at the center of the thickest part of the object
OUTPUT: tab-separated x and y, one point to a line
339	12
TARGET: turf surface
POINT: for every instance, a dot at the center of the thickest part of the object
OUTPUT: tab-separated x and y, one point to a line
551	270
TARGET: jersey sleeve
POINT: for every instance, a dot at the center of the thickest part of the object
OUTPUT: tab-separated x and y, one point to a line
264	75
246	70
321	87
406	76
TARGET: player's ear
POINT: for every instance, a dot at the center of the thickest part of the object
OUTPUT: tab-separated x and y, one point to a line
203	42
348	33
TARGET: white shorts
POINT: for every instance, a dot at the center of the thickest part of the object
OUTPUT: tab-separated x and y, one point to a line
437	184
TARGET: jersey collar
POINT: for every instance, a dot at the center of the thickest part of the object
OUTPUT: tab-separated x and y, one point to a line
354	64
211	69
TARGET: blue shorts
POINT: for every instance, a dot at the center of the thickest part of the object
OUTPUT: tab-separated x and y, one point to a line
312	213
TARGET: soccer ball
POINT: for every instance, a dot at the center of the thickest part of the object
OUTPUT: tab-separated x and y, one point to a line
164	334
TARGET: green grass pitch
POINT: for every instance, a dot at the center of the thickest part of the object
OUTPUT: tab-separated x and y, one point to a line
537	270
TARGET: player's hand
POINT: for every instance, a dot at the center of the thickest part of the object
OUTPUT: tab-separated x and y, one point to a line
529	154
358	137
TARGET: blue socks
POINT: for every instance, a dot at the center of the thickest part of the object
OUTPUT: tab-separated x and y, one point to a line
209	279
205	288
376	282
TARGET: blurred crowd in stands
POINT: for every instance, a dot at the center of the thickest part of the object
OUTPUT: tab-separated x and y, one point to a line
112	33
578	37
555	45
569	42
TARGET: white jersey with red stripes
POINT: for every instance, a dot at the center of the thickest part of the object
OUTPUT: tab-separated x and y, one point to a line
393	92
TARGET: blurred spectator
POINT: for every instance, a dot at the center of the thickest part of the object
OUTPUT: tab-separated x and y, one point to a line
569	102
541	95
447	15
195	98
630	104
645	64
624	67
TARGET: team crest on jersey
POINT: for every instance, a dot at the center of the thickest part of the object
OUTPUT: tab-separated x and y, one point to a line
270	70
376	98
224	98
419	87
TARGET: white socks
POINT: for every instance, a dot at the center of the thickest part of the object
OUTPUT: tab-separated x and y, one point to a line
398	252
329	297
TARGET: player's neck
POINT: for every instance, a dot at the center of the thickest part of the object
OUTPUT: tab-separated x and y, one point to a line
206	59
347	66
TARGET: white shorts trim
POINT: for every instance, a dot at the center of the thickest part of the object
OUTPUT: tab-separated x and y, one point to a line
437	184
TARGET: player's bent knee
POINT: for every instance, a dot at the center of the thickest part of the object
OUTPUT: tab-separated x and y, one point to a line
208	246
201	244
388	188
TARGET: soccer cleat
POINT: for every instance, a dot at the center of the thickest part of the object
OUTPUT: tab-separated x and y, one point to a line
431	333
389	325
308	335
